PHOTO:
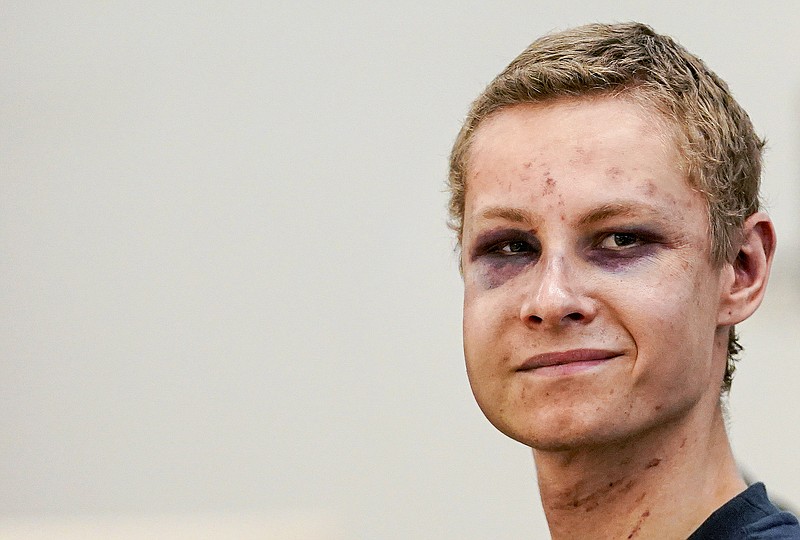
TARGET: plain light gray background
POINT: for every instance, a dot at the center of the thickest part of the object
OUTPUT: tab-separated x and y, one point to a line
226	284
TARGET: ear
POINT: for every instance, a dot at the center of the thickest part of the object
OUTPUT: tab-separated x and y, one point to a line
747	275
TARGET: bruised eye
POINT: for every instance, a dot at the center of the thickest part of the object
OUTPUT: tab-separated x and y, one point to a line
505	246
617	241
516	246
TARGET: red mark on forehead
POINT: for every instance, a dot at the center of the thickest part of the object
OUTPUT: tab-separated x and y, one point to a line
649	188
549	185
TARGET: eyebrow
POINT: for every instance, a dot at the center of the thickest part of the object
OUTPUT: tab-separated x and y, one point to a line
601	213
620	209
516	215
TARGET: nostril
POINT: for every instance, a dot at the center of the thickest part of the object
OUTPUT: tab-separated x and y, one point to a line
574	316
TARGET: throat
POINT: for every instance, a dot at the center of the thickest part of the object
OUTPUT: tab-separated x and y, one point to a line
602	504
636	491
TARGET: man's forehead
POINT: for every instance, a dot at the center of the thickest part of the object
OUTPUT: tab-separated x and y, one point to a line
612	136
521	123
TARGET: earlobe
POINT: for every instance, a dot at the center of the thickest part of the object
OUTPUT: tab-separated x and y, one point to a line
749	271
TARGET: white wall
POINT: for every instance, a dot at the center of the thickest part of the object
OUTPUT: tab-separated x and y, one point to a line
226	284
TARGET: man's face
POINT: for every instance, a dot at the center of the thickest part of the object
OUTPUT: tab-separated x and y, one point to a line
590	303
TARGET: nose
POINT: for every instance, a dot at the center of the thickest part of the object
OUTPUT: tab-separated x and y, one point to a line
557	297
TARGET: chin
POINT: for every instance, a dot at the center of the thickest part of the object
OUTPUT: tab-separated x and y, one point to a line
555	429
563	441
565	432
561	431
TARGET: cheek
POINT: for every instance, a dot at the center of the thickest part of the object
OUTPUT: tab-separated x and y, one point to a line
485	358
484	314
661	316
491	294
673	324
476	327
492	272
670	294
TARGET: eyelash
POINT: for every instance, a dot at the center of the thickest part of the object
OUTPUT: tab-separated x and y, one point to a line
506	248
637	240
510	246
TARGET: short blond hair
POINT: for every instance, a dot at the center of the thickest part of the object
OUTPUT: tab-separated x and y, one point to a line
722	152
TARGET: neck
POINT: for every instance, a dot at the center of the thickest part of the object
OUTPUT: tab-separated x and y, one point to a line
662	485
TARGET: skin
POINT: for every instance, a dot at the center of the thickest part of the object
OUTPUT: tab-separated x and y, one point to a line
595	324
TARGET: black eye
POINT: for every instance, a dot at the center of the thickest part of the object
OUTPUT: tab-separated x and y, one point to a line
516	246
624	239
619	240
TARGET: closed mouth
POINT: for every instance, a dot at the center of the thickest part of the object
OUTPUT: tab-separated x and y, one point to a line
567	357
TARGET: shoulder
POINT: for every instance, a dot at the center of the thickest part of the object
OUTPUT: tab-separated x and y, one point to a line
749	516
778	526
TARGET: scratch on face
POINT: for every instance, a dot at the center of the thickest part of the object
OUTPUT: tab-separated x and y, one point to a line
592	500
627	487
639	523
653	463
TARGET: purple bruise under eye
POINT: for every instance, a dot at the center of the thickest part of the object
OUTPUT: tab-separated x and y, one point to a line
494	272
502	254
618	260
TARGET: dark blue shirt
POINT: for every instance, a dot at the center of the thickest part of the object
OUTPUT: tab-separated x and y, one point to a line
749	516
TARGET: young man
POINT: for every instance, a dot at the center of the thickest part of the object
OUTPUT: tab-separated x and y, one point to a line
604	189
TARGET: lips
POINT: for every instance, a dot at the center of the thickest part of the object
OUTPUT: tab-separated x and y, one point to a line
575	356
